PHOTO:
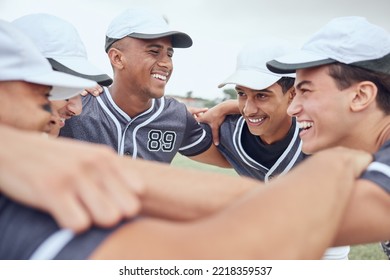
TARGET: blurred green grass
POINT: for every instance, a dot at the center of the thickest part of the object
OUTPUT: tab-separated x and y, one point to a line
358	252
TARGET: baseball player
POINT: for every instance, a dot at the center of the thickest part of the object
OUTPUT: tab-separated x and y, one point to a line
132	115
60	43
263	141
343	98
32	233
260	140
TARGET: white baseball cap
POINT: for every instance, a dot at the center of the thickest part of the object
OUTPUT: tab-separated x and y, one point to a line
251	70
349	40
144	24
20	60
60	43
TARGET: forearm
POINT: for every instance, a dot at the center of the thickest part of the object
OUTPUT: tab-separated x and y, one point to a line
301	210
367	216
185	194
228	107
213	157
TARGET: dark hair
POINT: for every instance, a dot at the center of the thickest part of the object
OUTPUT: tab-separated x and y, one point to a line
286	83
345	75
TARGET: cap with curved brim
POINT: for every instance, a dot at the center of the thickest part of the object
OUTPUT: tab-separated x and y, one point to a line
251	79
80	67
58	40
299	60
64	86
20	60
179	39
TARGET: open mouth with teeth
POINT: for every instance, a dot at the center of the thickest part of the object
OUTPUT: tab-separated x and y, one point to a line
305	125
258	120
255	121
160	77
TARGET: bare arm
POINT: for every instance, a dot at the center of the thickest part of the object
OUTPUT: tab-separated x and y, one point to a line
367	216
184	194
195	111
215	116
212	156
255	225
78	184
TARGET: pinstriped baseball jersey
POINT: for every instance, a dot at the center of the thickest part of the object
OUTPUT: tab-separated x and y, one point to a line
250	157
26	232
156	134
379	170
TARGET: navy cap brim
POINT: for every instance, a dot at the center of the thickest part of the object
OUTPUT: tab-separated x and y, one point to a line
286	68
179	39
101	79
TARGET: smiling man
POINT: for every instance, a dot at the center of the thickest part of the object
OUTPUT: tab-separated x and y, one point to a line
59	41
133	116
262	141
343	99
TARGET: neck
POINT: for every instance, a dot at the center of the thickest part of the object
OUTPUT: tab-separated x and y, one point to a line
384	134
376	133
279	134
132	104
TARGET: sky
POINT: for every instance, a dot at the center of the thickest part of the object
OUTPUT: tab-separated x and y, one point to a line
219	29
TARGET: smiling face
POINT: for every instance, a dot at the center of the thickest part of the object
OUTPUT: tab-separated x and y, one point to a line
146	65
322	110
265	111
62	111
25	105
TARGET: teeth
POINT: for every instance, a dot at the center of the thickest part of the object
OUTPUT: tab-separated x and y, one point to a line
305	125
255	120
160	77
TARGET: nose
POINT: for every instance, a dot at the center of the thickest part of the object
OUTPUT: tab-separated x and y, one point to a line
74	105
166	62
250	107
295	107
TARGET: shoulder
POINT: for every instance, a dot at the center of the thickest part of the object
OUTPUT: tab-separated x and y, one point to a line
173	101
232	121
378	171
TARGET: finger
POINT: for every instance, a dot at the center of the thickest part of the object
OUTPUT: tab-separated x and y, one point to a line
97	91
131	179
83	93
121	192
101	208
69	212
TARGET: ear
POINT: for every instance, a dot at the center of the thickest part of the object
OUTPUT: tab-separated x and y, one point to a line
116	58
291	94
364	96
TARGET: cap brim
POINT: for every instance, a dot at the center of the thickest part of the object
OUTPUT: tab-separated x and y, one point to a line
82	68
298	60
179	39
64	86
253	79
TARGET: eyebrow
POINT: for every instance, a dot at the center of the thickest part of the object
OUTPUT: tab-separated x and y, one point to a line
303	83
160	47
258	90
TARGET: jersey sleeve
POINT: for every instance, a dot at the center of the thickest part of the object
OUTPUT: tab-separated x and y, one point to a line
196	139
378	171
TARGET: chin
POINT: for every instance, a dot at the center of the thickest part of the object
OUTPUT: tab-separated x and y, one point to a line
309	150
255	132
157	94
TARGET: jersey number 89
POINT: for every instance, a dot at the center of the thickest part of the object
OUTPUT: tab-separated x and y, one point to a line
159	140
